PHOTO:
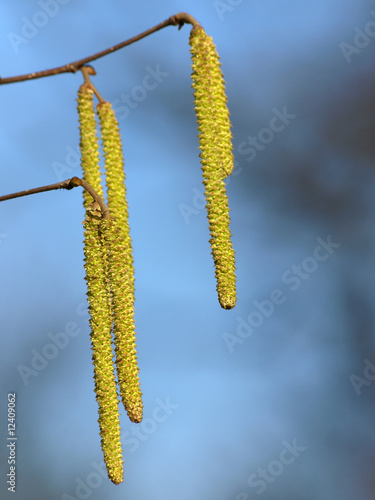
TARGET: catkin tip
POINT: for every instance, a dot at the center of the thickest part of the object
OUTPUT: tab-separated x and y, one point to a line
227	302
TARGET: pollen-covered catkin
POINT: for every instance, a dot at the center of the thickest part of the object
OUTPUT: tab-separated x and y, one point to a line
122	288
101	341
89	143
216	157
214	125
121	267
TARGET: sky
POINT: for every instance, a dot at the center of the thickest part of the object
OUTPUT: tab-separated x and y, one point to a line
274	399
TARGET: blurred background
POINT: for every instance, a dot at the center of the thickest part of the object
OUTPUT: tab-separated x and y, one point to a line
273	399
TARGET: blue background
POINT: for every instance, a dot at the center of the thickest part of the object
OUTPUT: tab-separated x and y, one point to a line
290	378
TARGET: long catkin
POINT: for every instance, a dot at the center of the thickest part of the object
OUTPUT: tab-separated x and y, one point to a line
121	268
216	157
101	342
98	294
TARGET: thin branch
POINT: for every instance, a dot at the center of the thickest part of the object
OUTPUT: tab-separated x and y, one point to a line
178	19
68	184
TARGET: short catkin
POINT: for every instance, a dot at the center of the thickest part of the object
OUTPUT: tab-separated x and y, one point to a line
121	268
216	157
101	341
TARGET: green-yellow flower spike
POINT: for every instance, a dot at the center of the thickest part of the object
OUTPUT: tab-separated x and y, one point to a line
216	157
122	287
101	320
214	125
89	142
121	268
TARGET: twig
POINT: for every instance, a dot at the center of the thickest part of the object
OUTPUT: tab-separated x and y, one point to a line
68	184
178	19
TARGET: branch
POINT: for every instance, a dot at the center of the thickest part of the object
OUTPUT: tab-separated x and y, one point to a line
68	184
178	19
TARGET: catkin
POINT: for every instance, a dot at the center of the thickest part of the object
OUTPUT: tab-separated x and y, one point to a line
216	157
99	298
121	268
101	341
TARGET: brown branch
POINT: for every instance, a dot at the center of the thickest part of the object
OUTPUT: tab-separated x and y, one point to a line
68	184
178	19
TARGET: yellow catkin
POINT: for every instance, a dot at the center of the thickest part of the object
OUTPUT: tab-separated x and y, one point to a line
211	102
216	157
123	307
89	144
101	341
121	264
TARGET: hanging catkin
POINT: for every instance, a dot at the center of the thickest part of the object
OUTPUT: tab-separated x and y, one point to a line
98	293
101	341
121	269
216	157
